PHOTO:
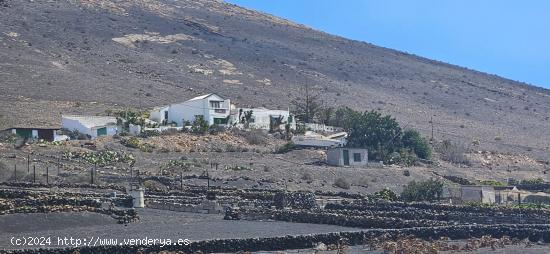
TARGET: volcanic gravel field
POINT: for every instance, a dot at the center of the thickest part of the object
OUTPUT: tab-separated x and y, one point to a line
153	224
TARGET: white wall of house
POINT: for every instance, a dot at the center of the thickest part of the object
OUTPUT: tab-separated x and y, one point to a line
356	156
211	106
261	117
158	114
76	124
72	125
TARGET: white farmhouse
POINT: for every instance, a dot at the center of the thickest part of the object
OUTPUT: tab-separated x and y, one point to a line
94	126
263	118
214	108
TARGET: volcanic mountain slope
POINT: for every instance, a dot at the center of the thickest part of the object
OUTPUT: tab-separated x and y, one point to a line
85	56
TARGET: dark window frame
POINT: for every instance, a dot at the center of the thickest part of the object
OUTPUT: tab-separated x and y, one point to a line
356	157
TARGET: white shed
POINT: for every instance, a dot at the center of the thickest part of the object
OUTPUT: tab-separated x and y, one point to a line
91	125
342	156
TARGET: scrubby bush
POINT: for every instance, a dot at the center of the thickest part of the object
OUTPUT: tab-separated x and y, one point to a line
533	181
491	183
308	177
8	137
233	148
403	157
422	191
238	168
452	152
149	133
131	142
385	194
342	183
255	137
215	129
153	185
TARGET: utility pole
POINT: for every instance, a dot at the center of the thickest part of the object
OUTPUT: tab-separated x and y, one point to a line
208	180
92	173
432	123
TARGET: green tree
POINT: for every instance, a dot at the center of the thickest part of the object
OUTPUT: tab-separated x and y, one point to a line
307	105
412	140
325	115
379	134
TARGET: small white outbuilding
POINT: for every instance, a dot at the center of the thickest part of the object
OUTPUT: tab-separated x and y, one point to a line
343	156
94	126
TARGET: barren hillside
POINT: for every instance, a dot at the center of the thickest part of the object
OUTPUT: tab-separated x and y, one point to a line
85	56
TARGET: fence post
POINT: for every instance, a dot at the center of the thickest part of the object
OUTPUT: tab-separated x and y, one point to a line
15	172
33	173
47	175
58	165
181	181
28	163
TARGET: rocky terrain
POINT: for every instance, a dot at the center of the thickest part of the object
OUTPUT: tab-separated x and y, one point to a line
79	56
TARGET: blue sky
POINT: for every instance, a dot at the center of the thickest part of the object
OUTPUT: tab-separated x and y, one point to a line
509	38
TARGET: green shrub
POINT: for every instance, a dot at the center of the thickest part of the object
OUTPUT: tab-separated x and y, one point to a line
412	140
422	191
131	142
149	133
491	183
385	194
533	181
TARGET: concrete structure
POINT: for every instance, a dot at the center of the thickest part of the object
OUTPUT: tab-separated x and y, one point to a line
470	193
322	128
342	156
94	126
263	118
507	195
138	196
214	108
47	134
312	139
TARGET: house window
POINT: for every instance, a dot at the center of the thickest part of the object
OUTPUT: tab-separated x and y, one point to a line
215	104
220	120
356	157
